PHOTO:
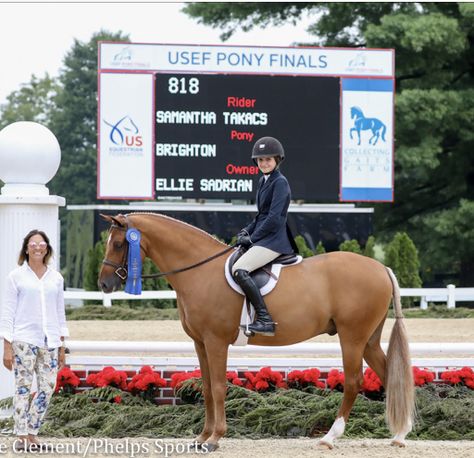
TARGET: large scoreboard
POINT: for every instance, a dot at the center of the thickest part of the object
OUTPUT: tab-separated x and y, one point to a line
180	121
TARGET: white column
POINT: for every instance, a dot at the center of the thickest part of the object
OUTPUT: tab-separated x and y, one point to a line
29	158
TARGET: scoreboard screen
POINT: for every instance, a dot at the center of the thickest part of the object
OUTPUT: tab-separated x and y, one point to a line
206	125
179	121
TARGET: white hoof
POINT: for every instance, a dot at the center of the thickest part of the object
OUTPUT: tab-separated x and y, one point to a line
326	443
398	442
337	430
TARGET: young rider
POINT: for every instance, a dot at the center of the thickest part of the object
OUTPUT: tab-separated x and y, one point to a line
268	235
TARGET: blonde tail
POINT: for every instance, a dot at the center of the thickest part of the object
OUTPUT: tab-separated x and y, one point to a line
399	386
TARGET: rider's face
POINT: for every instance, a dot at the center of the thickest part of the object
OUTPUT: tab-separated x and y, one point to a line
266	164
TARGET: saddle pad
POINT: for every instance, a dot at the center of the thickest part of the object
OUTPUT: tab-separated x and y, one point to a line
246	318
276	268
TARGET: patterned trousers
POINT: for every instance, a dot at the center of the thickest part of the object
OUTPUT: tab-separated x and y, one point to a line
28	360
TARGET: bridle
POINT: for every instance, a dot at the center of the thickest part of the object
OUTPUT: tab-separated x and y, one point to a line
121	270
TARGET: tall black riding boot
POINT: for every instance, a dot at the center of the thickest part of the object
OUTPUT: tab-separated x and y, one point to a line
263	323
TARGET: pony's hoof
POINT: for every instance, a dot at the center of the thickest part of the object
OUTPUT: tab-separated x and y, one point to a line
208	447
328	445
195	446
398	443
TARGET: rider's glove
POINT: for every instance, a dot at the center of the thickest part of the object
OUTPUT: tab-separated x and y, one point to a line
244	240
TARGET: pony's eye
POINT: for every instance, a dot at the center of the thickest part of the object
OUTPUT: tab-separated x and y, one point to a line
118	245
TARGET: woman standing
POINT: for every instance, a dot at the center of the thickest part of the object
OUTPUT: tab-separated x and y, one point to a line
33	326
268	235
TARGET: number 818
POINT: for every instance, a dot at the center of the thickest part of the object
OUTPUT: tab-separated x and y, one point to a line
183	86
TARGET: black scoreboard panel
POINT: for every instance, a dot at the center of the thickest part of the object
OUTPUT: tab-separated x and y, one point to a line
206	125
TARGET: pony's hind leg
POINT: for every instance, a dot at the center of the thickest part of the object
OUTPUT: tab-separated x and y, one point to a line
352	360
374	355
209	421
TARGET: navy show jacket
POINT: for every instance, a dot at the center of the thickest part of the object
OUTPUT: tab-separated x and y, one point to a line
269	228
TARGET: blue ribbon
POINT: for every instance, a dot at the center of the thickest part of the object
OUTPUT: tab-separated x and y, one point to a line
134	279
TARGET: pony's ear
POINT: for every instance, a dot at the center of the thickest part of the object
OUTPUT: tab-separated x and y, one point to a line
119	220
107	218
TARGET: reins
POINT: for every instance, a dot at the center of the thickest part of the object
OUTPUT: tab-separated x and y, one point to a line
122	272
197	264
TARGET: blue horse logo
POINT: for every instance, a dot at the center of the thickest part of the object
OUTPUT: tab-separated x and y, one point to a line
117	136
377	127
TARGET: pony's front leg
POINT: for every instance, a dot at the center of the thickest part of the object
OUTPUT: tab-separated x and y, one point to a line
216	351
207	392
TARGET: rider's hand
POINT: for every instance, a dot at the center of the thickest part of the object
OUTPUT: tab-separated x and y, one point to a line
8	355
244	241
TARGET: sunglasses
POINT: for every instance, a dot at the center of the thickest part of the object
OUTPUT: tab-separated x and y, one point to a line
37	245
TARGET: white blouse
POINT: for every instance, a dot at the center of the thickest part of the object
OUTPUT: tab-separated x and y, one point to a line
34	307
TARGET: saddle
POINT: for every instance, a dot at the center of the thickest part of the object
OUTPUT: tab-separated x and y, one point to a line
262	276
266	278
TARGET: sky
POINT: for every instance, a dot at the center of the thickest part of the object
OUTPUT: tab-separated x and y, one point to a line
35	36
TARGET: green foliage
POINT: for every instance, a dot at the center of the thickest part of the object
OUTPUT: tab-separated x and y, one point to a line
79	241
120	310
303	248
350	245
436	311
434	164
75	119
401	256
34	101
94	260
445	412
320	248
369	249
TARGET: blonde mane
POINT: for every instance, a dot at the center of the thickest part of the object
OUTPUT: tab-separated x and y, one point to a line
179	222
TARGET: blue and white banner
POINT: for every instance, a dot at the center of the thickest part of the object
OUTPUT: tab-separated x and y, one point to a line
125	136
367	140
246	59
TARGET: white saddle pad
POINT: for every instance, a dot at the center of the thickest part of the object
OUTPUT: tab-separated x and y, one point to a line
245	318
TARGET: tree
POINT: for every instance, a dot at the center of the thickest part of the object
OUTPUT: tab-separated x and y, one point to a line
303	248
369	249
74	121
319	248
350	245
34	101
434	160
401	256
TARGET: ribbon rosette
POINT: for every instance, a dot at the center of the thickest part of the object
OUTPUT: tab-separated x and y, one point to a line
134	279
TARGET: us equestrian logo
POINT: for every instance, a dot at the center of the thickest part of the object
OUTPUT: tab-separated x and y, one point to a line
376	126
125	133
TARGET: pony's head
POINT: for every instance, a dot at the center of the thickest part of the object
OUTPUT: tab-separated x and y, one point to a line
356	112
114	266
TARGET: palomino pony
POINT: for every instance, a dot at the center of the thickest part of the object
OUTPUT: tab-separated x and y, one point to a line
339	292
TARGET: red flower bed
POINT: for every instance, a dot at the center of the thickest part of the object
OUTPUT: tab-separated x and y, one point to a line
264	380
459	377
66	381
302	379
335	380
108	376
146	383
422	376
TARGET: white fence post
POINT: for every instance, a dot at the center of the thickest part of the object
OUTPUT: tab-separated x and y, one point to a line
423	303
29	158
451	296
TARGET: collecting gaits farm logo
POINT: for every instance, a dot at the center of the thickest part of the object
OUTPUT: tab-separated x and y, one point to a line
376	126
361	63
125	136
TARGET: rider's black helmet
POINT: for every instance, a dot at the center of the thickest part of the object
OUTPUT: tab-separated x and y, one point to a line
268	147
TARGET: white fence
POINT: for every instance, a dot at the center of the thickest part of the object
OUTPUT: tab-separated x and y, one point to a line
450	295
181	356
